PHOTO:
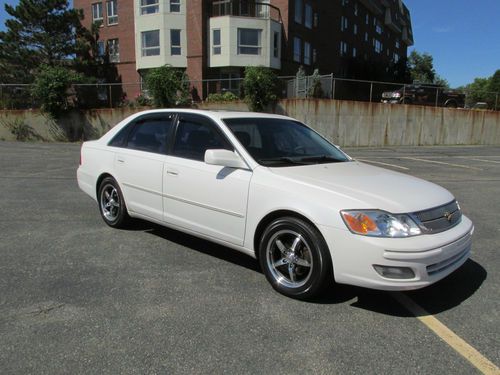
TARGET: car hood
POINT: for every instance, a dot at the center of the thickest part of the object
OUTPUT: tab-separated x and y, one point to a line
369	186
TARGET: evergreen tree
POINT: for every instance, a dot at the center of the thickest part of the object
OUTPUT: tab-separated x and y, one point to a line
40	32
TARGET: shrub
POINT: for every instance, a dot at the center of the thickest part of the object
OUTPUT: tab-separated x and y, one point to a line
167	86
51	88
260	85
228	96
21	130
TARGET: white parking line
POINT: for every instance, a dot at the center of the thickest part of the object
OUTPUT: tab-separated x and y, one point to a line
476	159
386	164
442	162
482	363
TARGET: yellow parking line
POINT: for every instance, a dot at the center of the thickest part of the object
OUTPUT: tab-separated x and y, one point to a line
447	335
441	162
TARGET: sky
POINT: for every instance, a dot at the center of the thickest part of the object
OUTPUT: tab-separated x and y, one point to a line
463	36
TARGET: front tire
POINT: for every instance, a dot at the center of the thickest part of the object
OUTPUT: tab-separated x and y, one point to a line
111	204
294	258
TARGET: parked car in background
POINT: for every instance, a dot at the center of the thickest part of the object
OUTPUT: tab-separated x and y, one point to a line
428	94
273	188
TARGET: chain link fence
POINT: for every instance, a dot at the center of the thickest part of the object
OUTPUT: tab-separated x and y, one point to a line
102	95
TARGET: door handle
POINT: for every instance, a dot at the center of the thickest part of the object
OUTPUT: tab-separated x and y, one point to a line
120	160
172	172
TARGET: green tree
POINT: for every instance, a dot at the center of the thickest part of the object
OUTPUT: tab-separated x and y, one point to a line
52	88
168	86
39	32
421	67
260	84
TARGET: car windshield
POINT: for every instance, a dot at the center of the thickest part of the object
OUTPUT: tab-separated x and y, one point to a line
282	142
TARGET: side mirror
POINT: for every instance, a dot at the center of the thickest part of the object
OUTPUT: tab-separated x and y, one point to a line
224	158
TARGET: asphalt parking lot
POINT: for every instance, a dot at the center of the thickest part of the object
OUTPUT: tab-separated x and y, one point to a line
79	297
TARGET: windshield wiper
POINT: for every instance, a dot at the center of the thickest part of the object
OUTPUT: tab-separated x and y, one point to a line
321	158
283	159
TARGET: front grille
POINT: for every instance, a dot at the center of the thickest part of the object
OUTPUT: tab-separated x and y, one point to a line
440	218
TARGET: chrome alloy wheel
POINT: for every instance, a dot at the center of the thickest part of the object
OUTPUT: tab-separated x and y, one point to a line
289	258
110	202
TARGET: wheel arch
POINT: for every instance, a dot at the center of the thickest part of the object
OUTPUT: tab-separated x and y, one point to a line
266	220
101	177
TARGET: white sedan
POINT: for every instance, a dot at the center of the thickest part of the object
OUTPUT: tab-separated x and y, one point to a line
273	188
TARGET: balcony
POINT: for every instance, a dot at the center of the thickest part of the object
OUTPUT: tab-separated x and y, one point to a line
391	22
242	8
373	6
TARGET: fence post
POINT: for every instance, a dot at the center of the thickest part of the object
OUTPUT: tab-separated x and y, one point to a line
333	88
110	97
496	101
371	91
437	95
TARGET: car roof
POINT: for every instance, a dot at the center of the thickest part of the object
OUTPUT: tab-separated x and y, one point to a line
215	114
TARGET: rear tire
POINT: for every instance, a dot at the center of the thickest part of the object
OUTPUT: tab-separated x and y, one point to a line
294	258
111	204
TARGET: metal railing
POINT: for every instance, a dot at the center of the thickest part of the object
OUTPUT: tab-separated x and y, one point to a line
104	95
242	8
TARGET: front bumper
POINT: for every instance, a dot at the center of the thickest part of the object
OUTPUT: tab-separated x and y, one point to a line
390	101
431	257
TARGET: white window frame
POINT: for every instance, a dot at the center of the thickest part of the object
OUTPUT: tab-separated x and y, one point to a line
97	18
114	50
257	47
175	6
112	11
175	49
146	49
146	8
216	48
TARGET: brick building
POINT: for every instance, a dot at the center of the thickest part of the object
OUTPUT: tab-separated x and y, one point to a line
214	39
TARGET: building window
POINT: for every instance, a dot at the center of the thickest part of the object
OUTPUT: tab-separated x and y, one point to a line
114	50
315	55
316	20
150	43
366	37
276	44
378	45
378	27
297	49
367	19
175	6
354	52
249	41
307	53
396	57
308	22
343	48
355	29
97	13
343	23
298	11
101	48
397	44
355	9
175	42
344	3
150	6
216	46
112	7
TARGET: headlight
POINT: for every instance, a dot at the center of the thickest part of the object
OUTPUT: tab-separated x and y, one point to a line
396	95
380	223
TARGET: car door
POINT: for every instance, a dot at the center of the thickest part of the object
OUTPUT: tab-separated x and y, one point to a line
208	199
139	164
